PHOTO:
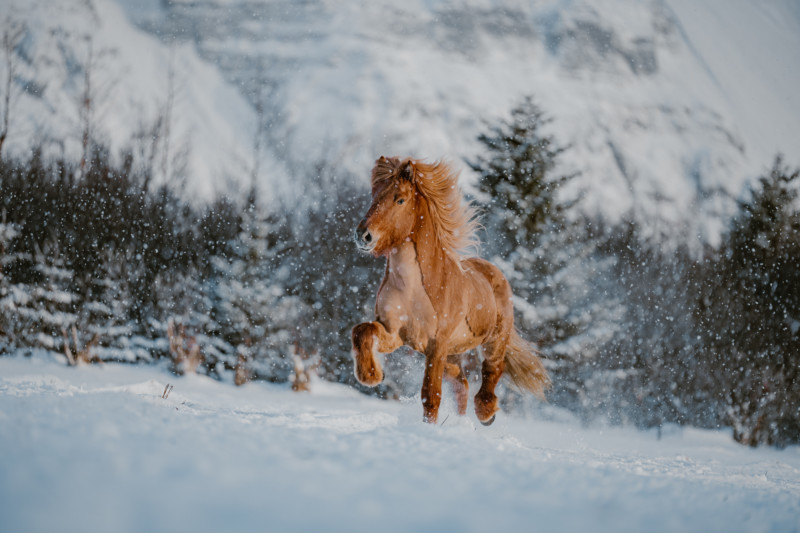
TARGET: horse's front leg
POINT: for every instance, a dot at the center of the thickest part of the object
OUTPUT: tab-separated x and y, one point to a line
365	336
435	359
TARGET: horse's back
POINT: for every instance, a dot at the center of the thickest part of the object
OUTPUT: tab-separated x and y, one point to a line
493	275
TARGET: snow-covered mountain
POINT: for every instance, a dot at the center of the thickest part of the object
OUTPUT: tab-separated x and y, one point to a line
670	106
130	73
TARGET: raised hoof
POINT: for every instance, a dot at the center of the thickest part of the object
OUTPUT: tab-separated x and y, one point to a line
488	422
370	379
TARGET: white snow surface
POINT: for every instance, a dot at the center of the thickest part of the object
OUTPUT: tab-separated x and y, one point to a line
96	448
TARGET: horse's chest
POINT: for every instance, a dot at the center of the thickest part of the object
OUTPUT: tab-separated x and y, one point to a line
404	307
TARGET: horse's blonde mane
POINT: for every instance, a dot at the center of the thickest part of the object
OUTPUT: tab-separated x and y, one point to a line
453	218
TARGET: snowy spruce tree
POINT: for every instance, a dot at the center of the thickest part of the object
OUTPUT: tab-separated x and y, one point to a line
44	308
543	250
648	355
107	311
8	291
251	309
749	318
335	283
518	172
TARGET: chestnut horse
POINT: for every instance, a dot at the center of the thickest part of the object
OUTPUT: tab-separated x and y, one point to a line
434	298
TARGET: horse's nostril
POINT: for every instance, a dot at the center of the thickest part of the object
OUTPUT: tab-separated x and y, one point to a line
367	236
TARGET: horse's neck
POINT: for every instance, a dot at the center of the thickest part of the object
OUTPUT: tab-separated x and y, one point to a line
403	262
435	265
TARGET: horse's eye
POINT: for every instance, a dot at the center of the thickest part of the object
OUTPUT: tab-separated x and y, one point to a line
400	201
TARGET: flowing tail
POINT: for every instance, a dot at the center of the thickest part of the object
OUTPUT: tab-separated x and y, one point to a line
524	366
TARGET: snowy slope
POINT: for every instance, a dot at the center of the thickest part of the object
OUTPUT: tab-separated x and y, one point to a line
670	106
755	68
97	449
130	79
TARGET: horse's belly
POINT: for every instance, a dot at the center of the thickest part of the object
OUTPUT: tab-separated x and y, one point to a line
463	339
415	333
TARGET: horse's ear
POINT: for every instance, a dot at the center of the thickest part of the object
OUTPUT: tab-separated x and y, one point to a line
406	171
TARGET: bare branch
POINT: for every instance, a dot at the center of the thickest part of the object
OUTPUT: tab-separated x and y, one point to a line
305	365
86	107
12	36
67	351
184	349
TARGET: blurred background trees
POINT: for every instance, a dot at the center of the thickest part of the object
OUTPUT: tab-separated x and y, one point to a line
106	259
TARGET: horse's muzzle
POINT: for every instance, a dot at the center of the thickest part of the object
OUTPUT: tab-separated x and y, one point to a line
363	237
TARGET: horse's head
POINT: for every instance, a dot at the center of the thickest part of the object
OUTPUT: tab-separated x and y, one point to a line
395	204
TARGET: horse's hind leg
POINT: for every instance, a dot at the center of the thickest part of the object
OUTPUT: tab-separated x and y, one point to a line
454	374
494	363
367	369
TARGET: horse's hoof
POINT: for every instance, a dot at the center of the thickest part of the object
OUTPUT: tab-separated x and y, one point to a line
487	422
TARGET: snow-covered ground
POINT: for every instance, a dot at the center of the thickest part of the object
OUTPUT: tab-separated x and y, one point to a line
96	448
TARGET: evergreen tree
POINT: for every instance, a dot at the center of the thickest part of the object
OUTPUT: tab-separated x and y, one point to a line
546	254
40	310
253	313
8	296
518	171
335	283
750	316
106	311
647	356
